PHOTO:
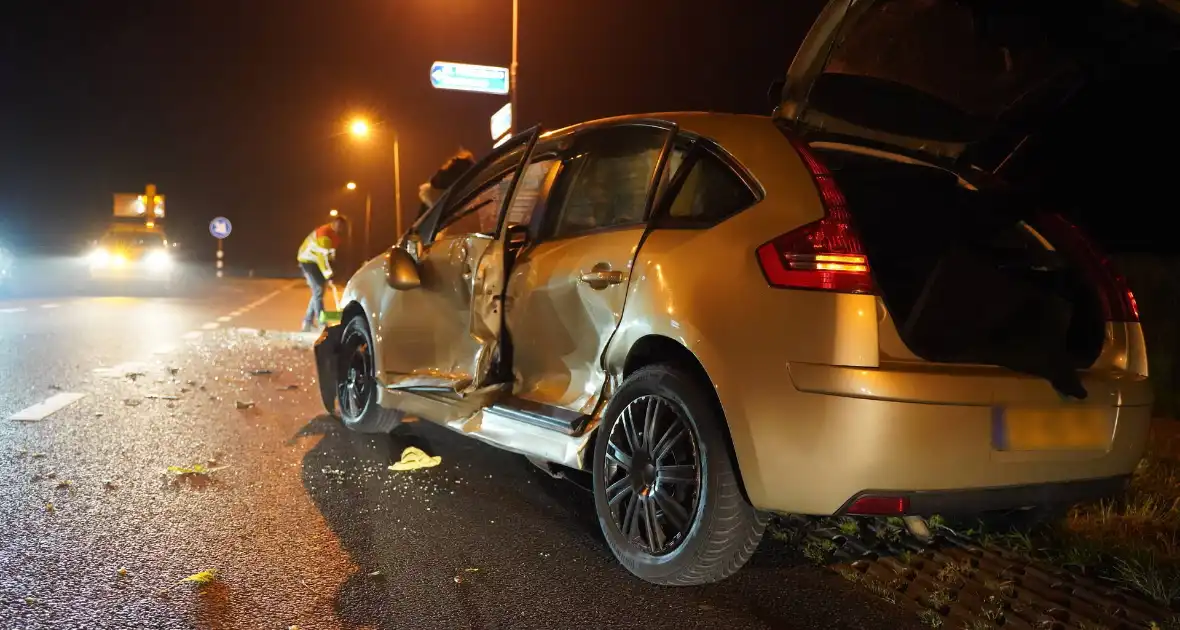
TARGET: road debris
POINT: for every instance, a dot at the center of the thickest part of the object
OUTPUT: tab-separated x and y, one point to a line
132	402
161	397
263	372
201	579
244	404
414	458
192	473
133	376
122	572
109	485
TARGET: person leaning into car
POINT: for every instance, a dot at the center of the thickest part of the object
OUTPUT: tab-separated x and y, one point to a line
444	178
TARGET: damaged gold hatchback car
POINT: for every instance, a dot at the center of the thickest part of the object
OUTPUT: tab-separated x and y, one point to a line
832	310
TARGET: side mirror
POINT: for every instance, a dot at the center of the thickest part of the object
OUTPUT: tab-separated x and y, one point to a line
401	271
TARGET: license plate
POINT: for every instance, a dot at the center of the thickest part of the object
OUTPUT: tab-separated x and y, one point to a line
1052	429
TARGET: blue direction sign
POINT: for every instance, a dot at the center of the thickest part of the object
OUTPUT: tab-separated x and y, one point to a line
468	78
220	227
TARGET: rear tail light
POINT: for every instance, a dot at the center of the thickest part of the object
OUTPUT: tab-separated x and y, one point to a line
825	255
879	506
1118	303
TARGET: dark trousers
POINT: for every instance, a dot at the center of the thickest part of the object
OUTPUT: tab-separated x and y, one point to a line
316	281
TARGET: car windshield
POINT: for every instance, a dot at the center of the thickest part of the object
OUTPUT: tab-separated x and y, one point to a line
882	73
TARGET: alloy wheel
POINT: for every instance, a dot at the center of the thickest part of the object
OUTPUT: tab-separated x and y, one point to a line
356	375
652	475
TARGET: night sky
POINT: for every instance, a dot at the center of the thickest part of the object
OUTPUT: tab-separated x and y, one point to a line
237	108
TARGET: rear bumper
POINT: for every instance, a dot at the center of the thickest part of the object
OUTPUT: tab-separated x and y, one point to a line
978	500
327	348
839	433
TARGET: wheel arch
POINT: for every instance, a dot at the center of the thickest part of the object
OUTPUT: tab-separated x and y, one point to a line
656	349
353	309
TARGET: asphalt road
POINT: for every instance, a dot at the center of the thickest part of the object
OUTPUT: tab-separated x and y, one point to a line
302	520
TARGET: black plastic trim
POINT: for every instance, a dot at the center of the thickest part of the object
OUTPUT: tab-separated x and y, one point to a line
327	348
981	500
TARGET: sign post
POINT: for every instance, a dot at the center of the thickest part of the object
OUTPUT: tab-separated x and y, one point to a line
501	122
446	75
220	228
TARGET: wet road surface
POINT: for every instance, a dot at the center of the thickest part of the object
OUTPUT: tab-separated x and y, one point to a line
302	520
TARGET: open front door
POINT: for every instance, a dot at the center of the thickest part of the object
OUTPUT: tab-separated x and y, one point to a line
568	289
443	335
491	278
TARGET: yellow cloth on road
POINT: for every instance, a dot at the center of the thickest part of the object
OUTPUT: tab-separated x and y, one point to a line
414	458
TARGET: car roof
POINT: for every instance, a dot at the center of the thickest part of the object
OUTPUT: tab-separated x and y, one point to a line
693	122
752	141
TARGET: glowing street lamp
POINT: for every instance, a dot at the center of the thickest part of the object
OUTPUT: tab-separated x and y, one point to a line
350	185
359	128
333	212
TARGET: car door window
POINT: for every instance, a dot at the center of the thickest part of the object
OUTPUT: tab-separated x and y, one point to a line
479	215
605	180
709	192
521	210
465	208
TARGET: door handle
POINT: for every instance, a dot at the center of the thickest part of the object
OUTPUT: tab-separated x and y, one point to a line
601	276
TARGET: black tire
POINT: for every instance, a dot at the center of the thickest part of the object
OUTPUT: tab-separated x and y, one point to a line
723	529
356	382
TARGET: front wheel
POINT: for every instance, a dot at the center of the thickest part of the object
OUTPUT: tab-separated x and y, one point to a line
356	382
665	486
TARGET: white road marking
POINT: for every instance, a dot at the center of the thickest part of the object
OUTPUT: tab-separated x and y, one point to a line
210	326
122	369
192	334
43	409
237	313
165	349
50	305
13	310
224	318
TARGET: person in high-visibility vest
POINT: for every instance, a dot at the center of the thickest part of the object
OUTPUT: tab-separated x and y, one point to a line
315	259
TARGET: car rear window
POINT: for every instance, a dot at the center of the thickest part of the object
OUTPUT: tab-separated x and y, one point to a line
709	192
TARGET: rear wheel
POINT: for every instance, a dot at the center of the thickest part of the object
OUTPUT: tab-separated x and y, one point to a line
356	382
665	486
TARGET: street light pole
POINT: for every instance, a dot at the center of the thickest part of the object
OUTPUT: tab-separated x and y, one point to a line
397	183
368	218
513	89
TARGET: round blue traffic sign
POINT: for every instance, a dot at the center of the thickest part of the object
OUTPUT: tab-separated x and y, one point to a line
220	227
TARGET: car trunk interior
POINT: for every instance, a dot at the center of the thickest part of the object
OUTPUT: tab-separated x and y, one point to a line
964	278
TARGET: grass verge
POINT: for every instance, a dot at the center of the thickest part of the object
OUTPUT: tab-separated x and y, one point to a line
1133	540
